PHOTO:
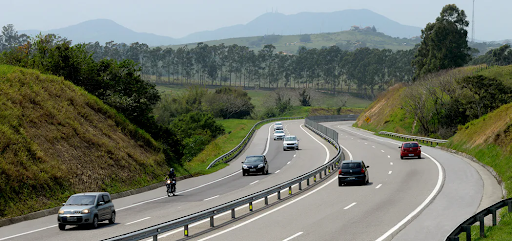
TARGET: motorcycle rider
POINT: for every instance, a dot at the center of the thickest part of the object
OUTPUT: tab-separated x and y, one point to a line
172	176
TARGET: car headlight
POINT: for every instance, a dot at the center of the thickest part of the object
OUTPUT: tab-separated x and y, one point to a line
85	211
260	165
61	211
244	166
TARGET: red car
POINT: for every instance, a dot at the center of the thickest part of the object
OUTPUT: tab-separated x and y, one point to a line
410	149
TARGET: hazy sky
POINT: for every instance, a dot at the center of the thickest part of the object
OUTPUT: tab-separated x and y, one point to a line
179	18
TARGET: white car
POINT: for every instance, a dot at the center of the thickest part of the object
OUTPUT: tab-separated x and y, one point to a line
290	142
278	126
279	134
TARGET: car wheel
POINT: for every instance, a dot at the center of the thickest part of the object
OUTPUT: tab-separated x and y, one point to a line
419	157
243	173
284	149
340	183
94	223
112	218
401	157
62	226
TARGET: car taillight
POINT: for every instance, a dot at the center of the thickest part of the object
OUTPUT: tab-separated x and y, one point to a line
339	172
362	170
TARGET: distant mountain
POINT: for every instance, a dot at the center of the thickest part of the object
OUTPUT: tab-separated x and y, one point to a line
104	30
277	23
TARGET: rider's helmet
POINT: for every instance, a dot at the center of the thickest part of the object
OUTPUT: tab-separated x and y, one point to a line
171	170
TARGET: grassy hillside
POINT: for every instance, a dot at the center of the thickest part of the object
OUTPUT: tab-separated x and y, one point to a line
290	43
57	140
489	138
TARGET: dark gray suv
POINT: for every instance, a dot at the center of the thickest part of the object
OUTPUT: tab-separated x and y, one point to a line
87	209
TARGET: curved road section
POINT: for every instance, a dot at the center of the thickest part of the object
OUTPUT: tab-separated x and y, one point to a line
399	195
194	194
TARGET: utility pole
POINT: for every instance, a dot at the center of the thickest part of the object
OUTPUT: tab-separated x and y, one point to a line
473	24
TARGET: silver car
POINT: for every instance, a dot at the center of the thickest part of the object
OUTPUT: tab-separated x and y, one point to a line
87	209
290	142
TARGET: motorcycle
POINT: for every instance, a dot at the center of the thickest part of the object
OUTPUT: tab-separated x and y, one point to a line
171	187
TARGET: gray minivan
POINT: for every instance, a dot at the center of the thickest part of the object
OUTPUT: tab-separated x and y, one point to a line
87	209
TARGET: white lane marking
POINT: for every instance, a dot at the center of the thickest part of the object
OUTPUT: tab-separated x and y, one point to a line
10	237
335	178
352	138
326	150
287	163
254	182
268	139
382	150
366	143
373	146
138	220
349	206
151	200
390	172
389	156
422	205
295	155
277	171
210	198
391	163
188	190
378	186
293	236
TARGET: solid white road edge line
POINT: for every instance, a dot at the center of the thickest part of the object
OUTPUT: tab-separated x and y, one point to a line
151	200
268	140
10	237
210	198
422	205
295	235
142	219
229	212
379	186
326	150
335	178
349	206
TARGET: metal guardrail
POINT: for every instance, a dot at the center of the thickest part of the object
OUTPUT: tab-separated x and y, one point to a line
322	172
465	227
230	155
417	138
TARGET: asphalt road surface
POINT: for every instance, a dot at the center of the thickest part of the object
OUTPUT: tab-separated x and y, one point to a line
194	194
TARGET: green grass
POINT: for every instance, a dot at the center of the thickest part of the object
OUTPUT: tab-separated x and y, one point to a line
236	130
57	140
500	72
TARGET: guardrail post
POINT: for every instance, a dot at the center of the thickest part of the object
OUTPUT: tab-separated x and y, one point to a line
155	238
266	200
494	222
300	185
185	230
250	206
325	172
290	190
320	173
307	183
509	202
211	222
279	195
233	213
482	227
314	178
467	230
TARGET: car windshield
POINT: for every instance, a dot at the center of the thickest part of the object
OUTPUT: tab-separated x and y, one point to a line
81	200
278	124
290	138
253	159
410	145
279	132
351	165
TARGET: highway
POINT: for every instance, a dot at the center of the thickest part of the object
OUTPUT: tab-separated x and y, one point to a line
445	186
194	194
398	191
